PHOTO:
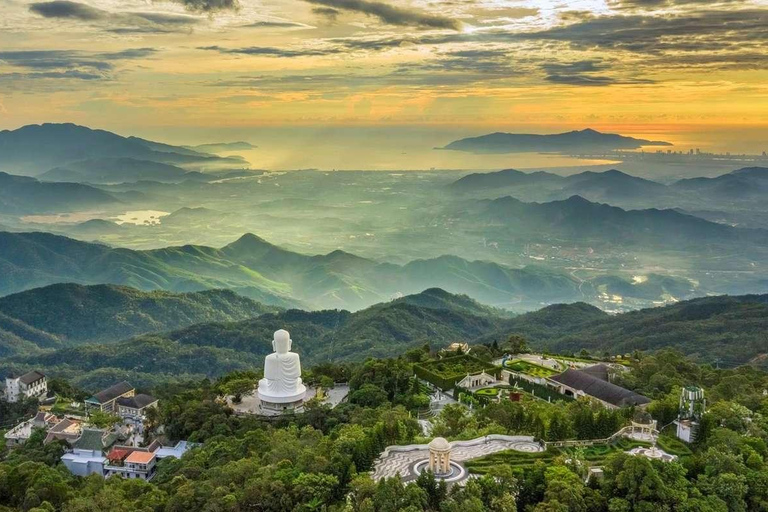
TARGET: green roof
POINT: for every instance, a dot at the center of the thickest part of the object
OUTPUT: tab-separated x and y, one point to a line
90	439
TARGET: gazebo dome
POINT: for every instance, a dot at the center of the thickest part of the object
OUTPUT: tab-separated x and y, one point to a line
439	444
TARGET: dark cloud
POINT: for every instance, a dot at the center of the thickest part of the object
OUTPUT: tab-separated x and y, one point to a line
67	64
699	31
391	14
327	12
274	24
66	9
580	66
269	51
122	23
656	4
593	80
209	6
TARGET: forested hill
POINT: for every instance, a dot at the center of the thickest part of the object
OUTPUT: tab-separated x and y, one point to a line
727	330
70	314
212	349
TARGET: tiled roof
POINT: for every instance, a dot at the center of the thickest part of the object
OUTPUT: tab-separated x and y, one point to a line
597	370
31	377
140	457
90	439
66	425
111	393
600	389
118	453
137	402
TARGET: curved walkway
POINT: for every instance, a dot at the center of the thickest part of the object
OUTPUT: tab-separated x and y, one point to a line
400	459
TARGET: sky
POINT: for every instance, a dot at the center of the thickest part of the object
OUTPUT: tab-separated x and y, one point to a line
390	72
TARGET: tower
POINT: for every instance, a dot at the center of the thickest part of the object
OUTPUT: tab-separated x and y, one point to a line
692	407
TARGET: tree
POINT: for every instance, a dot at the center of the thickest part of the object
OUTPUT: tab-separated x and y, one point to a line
516	344
101	419
239	387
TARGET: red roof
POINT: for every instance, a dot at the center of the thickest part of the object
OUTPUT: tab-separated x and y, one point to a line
118	453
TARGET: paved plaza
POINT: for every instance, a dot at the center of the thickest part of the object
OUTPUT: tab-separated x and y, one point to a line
250	402
402	459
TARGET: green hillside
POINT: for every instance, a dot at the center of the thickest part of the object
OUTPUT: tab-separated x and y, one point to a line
212	349
68	314
725	330
270	274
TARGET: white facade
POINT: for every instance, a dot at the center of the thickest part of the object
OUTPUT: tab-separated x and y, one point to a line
84	462
32	384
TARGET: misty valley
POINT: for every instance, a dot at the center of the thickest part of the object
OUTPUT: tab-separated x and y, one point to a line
179	219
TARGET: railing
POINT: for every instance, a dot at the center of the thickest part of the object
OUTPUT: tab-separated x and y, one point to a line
624	432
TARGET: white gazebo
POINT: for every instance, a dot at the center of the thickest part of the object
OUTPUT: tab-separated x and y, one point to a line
440	456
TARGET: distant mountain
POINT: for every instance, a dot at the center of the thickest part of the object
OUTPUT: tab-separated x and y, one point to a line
505	178
582	221
219	147
211	349
95	227
33	149
120	170
611	186
70	314
255	268
20	195
574	141
728	329
742	184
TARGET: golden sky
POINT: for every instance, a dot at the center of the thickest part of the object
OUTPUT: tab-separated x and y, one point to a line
639	67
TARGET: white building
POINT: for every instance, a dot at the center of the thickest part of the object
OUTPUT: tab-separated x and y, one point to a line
138	464
31	384
84	462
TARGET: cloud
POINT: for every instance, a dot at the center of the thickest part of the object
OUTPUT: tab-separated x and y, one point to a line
275	24
120	22
391	14
209	6
67	9
67	64
270	51
327	12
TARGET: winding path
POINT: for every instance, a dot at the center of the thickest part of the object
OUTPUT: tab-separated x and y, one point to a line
400	459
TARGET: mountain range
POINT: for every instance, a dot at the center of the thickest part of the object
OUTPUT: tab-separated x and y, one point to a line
34	149
727	330
20	195
270	274
120	170
211	349
581	221
618	188
265	272
574	141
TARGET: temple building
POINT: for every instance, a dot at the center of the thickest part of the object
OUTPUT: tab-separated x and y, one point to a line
281	390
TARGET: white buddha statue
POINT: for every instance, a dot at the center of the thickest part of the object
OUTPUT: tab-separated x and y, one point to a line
282	373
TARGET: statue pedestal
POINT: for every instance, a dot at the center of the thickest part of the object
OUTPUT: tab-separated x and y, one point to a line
273	402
